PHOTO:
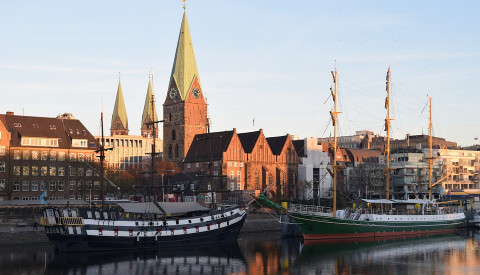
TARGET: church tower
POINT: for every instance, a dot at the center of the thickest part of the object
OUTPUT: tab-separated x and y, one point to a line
184	109
149	113
119	124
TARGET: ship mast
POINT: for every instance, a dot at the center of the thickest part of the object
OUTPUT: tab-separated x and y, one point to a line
334	115
387	129
102	160
430	160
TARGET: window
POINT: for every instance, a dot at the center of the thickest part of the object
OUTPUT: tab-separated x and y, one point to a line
61	186
257	181
16	186
26	170
80	185
17	155
73	171
3	150
235	164
52	186
2	184
232	175
44	155
215	163
73	185
239	175
43	171
61	156
215	173
81	157
72	197
232	186
79	197
209	187
25	186
189	165
170	153
16	170
34	155
53	156
174	136
42	186
176	150
2	166
81	171
197	165
34	170
88	185
229	164
89	172
96	197
26	154
73	157
96	185
241	164
53	171
61	171
239	186
34	186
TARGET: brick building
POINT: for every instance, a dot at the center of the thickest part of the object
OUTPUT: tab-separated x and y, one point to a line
184	109
241	162
52	154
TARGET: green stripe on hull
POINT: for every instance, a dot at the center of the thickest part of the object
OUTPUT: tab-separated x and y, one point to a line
313	225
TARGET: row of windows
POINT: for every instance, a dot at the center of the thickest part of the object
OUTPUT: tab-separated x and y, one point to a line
72	197
50	171
52	185
122	142
44	142
49	155
215	163
232	186
232	175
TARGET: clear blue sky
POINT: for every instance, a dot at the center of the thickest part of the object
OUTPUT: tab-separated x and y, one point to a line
265	59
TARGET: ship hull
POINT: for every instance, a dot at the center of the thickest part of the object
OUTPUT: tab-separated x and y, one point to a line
110	242
329	229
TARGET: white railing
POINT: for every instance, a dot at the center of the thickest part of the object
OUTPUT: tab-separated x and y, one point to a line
310	209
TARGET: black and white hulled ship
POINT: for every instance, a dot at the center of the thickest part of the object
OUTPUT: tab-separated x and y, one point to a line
141	225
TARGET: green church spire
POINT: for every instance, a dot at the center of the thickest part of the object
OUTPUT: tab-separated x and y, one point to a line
184	69
147	112
119	124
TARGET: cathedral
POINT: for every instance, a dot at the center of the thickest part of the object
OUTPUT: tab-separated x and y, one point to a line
236	162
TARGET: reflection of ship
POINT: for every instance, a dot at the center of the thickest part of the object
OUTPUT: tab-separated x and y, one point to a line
212	259
362	257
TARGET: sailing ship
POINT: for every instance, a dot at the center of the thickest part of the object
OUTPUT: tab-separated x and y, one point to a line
381	218
140	225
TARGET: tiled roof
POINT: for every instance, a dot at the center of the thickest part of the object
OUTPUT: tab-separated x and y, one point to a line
209	146
249	140
45	127
277	143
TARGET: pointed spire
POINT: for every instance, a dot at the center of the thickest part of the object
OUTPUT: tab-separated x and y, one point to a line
147	111
184	69
119	124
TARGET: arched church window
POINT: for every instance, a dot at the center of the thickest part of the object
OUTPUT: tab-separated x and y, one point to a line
170	153
176	150
170	116
257	181
174	135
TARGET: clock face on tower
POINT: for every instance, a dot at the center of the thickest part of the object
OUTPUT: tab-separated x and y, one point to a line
172	93
118	126
196	93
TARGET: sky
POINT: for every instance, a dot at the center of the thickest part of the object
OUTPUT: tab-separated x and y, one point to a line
262	64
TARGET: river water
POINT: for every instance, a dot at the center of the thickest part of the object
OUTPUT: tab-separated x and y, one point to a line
262	254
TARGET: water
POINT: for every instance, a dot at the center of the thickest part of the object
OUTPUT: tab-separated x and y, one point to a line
262	254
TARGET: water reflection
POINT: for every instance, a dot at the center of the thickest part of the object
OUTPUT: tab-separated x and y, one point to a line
262	254
214	259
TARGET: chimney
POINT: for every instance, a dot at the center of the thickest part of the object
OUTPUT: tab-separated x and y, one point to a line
10	113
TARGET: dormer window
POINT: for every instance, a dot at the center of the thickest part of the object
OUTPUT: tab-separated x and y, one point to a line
70	131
